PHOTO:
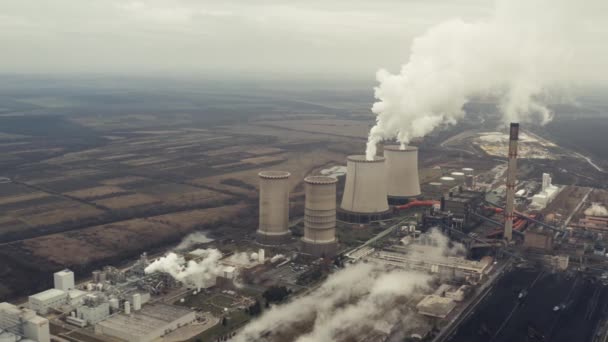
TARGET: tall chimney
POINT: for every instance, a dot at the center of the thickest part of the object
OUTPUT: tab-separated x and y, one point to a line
511	179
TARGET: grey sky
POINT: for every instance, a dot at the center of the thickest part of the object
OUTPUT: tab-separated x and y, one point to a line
353	37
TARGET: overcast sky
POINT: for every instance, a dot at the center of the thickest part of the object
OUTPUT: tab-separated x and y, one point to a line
199	36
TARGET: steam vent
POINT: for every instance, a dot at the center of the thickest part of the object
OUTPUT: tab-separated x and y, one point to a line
274	207
320	216
401	173
364	197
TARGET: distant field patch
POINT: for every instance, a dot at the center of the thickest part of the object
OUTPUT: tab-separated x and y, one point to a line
97	191
127	201
263	160
122	180
22	198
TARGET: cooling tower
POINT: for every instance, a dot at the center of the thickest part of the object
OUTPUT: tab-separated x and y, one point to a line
320	216
364	197
447	184
401	173
274	207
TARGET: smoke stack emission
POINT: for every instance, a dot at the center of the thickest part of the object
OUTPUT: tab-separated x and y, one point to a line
511	179
515	55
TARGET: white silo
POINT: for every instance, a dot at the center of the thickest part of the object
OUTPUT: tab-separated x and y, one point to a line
458	177
136	302
365	192
320	216
448	183
401	173
274	207
127	307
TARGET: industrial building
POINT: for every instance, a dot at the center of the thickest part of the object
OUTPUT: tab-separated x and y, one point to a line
64	280
23	323
274	208
94	309
436	306
401	173
365	191
547	193
149	324
461	204
45	300
320	216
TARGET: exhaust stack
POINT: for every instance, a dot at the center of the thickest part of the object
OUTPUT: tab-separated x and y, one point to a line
511	179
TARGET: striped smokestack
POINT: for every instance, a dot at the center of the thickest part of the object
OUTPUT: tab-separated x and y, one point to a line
511	179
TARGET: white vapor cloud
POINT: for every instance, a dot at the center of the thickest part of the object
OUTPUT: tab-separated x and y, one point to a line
518	54
596	209
193	239
191	273
351	301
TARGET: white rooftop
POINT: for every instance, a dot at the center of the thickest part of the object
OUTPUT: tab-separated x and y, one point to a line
64	272
48	294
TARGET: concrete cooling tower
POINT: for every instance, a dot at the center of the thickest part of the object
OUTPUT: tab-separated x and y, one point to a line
401	173
274	208
364	197
320	216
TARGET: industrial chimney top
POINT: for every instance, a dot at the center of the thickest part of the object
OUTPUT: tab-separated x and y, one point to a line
399	149
274	174
363	159
320	180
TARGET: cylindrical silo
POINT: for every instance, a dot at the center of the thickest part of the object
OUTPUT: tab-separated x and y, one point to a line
434	190
401	173
448	183
365	192
127	307
468	170
320	216
458	177
136	302
274	207
469	181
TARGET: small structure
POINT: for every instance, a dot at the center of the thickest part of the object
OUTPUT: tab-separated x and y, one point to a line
64	280
436	306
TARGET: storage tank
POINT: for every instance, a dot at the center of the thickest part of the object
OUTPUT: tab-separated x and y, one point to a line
320	216
435	190
365	193
127	307
468	170
448	183
469	181
274	207
114	303
458	177
136	302
401	173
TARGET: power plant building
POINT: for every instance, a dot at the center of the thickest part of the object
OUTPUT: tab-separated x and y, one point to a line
24	323
148	324
45	300
401	173
365	190
64	280
274	208
320	216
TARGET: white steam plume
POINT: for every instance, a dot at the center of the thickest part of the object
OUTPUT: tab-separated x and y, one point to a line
517	54
193	273
351	301
193	239
596	209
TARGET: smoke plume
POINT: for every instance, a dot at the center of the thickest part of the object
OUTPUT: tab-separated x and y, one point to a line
350	302
520	54
193	239
596	209
194	274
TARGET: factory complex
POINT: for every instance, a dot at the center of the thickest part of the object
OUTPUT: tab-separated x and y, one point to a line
463	228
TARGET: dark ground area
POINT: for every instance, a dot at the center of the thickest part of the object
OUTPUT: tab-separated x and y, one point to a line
583	303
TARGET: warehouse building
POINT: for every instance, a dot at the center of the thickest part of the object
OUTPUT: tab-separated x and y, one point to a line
148	324
64	280
45	300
